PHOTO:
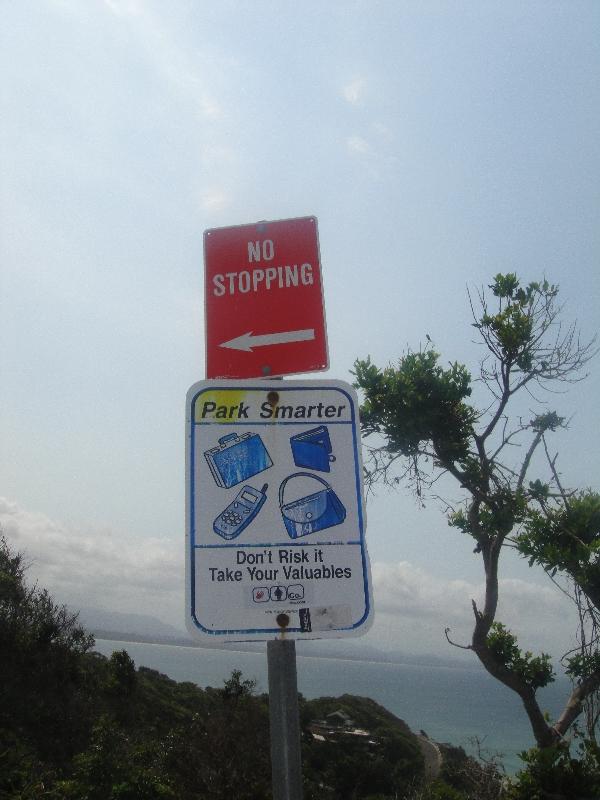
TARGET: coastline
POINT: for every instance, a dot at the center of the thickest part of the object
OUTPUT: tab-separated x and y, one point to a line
456	706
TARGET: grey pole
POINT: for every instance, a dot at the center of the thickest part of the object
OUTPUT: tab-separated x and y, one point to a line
286	765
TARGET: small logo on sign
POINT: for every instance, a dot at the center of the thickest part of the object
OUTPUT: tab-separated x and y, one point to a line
260	594
295	592
278	593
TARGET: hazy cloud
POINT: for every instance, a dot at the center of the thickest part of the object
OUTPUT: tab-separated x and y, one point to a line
383	131
356	144
405	590
103	568
354	91
124	8
186	74
214	200
412	599
97	567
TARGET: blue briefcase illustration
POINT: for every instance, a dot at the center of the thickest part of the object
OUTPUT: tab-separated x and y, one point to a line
315	512
237	458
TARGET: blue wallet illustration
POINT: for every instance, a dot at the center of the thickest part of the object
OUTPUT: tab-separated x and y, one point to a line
237	458
317	511
312	449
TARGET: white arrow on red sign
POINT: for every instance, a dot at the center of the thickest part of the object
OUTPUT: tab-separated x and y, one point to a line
247	340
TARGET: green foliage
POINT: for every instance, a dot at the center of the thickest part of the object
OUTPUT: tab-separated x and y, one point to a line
566	538
539	491
439	790
385	763
235	687
549	421
22	775
115	767
43	681
497	514
426	427
123	677
553	773
77	726
119	684
417	402
223	751
512	332
481	778
582	665
536	671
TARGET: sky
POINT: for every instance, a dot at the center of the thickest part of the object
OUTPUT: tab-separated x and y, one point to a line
437	143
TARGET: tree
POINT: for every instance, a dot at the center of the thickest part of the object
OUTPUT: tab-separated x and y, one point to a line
42	671
425	425
223	752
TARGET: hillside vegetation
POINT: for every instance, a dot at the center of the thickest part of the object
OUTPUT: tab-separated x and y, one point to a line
75	725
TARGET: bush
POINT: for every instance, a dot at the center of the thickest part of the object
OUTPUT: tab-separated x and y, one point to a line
42	669
553	772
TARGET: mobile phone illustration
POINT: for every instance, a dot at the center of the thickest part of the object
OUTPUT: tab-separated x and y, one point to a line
240	512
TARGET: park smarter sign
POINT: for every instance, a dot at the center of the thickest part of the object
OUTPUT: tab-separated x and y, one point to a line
275	518
264	300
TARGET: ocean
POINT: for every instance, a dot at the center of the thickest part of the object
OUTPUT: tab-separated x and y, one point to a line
451	704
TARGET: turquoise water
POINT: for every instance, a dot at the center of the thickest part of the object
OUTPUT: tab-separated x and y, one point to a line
451	704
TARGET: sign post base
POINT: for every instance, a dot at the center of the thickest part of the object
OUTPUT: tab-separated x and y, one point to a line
286	766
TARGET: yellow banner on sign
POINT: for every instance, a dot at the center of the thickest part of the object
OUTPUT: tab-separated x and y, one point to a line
223	400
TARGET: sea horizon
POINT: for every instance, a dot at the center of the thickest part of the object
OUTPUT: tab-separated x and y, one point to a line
367	655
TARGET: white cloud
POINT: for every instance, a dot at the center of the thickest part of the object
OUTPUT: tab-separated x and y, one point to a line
406	590
186	74
220	155
356	144
214	200
106	569
124	8
354	91
383	131
414	603
83	567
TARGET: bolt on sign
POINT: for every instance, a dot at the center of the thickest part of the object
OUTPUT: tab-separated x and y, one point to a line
264	300
275	520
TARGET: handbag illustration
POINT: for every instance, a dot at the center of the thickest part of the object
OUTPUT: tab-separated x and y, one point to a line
315	512
237	458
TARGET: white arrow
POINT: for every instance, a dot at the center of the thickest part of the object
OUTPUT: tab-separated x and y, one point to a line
247	341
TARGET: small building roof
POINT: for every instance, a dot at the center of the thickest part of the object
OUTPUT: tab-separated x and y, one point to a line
341	716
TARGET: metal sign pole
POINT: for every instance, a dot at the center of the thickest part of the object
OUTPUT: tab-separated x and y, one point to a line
286	763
